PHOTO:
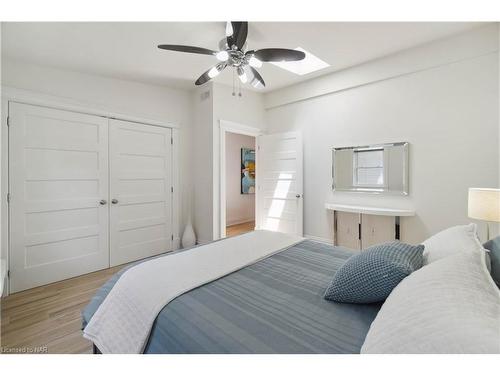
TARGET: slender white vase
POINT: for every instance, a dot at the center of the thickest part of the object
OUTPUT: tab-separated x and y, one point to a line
188	237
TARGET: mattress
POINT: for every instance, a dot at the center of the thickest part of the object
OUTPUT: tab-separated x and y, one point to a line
273	306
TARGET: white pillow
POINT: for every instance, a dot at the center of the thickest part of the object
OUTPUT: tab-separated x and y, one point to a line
451	241
449	306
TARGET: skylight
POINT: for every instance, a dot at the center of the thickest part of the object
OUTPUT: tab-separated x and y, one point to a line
310	64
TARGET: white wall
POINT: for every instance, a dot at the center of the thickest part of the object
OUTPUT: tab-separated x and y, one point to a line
157	103
442	98
207	113
240	208
247	109
202	104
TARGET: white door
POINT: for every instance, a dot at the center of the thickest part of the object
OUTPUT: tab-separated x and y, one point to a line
279	181
58	168
140	191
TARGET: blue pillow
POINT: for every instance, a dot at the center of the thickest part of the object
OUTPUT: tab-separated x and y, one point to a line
493	246
371	275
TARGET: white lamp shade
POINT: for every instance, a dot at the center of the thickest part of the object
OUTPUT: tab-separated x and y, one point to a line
484	204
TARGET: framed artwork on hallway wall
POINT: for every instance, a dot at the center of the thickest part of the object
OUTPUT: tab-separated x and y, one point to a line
247	171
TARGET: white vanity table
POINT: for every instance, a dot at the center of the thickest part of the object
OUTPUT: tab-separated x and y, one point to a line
359	227
377	170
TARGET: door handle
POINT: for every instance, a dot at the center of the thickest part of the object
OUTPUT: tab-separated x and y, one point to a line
102	202
114	201
298	196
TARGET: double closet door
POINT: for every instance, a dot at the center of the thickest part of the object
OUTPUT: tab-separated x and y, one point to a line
86	193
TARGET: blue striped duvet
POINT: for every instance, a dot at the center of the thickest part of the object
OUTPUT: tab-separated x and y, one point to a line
273	306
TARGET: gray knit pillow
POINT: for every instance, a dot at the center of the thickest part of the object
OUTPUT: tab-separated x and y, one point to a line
371	275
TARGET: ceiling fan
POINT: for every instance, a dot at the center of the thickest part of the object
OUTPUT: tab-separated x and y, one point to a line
232	54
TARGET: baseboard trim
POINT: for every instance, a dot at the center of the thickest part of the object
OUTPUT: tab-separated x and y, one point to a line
327	241
243	221
201	241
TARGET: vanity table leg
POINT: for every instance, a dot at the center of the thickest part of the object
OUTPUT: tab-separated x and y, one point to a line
397	220
334	228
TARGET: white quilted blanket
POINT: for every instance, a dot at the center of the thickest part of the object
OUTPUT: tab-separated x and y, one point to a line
123	321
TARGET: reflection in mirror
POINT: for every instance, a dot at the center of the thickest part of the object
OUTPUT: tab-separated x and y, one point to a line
377	168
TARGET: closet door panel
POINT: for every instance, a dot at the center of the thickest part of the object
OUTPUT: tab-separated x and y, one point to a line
140	185
58	169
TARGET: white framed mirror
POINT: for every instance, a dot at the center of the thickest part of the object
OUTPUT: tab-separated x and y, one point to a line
381	168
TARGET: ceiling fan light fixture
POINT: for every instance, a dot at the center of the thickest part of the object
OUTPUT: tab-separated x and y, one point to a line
222	55
255	62
214	72
242	75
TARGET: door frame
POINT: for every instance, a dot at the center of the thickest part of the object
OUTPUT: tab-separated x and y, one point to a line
10	94
220	175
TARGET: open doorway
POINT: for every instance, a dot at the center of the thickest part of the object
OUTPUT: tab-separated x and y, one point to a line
242	203
278	179
240	183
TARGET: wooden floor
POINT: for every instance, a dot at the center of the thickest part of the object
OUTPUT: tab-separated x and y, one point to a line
233	230
48	318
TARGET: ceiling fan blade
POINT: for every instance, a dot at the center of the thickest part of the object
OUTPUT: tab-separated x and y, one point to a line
239	35
279	54
188	49
210	73
256	79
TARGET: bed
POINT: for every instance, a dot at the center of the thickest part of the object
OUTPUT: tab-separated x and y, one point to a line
275	305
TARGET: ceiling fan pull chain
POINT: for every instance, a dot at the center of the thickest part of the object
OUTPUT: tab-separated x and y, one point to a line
239	87
234	93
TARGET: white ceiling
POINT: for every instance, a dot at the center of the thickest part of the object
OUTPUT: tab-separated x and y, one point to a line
127	50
